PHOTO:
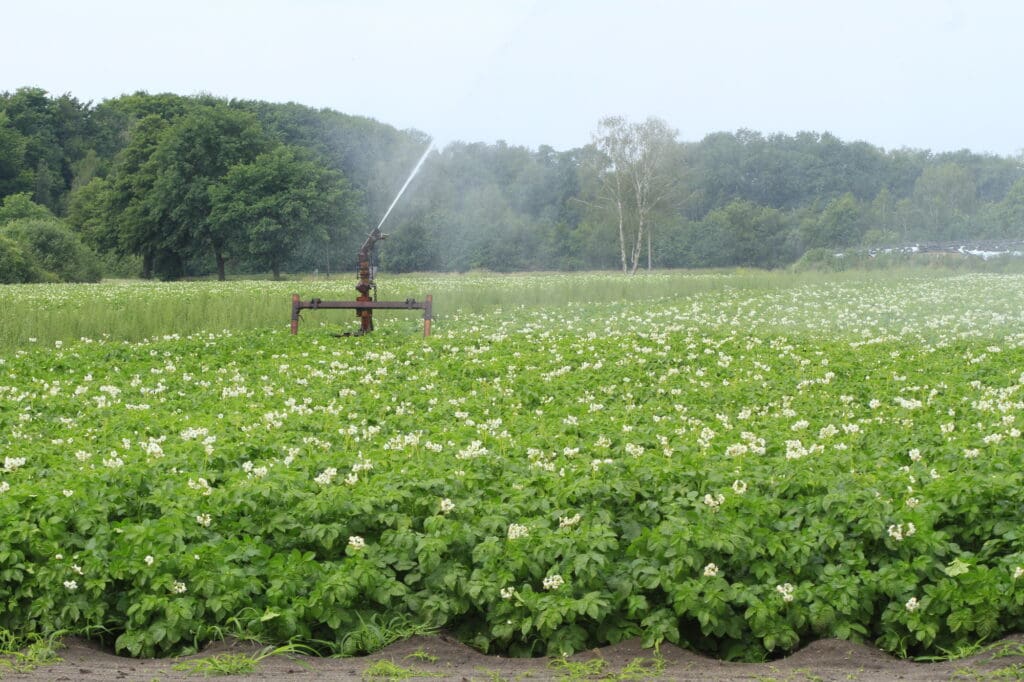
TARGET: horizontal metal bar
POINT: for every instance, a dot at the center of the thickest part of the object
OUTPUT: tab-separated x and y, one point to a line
361	305
364	309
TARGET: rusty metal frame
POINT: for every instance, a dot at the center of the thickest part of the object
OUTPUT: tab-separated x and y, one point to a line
364	309
365	304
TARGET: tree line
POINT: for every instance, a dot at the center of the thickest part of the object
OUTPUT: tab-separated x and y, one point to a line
171	186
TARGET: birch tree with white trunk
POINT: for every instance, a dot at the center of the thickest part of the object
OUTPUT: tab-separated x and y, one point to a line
635	179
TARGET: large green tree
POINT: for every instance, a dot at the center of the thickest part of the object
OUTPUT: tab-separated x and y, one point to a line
131	226
278	201
193	155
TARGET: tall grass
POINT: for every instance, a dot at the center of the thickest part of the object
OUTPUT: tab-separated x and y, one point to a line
133	310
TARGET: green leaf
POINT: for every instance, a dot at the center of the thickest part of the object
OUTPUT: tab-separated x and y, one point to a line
956	567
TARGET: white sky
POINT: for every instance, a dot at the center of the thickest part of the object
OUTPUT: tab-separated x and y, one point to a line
932	74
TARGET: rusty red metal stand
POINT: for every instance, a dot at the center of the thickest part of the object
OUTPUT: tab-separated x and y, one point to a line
364	309
365	304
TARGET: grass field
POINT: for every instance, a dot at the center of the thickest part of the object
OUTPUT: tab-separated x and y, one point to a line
134	309
735	462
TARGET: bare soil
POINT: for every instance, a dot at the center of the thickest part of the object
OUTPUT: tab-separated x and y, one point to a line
443	658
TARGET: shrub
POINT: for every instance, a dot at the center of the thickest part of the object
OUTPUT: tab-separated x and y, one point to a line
16	267
54	248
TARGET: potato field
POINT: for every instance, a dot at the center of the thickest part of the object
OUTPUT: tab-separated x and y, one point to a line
739	467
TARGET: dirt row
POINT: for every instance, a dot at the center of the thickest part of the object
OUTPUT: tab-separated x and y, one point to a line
440	657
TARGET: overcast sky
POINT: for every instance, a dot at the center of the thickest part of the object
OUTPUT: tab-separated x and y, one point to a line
932	74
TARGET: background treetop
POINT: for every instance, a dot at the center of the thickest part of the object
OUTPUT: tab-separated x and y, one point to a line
167	185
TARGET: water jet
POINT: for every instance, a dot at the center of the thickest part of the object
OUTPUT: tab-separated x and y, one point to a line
367	302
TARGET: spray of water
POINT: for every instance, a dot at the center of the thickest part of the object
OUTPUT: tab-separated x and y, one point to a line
407	181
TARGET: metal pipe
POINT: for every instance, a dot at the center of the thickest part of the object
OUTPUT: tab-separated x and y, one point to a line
428	314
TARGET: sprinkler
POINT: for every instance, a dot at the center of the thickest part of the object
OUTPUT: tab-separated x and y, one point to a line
364	304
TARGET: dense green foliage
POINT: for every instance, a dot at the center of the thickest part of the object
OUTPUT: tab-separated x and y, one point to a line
53	248
738	472
138	177
17	266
